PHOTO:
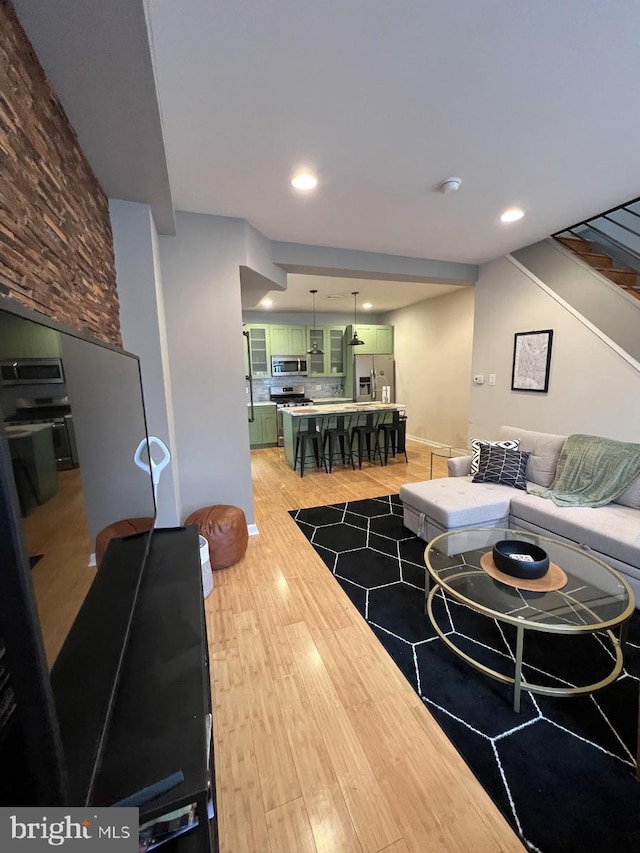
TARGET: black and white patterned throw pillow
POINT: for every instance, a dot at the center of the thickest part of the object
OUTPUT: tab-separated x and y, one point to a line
502	465
477	443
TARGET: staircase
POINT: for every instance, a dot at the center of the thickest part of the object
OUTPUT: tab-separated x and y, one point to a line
626	279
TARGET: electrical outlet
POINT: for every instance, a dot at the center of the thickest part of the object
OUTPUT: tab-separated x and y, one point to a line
492	379
318	387
478	379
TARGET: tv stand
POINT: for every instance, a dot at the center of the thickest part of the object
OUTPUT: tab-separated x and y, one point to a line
161	718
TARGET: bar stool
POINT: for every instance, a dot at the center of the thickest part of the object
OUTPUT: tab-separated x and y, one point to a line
366	431
308	431
394	429
337	429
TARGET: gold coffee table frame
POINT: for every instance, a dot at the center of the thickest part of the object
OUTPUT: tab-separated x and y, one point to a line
593	625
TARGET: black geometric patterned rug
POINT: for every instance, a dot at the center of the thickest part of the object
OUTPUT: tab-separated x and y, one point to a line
562	770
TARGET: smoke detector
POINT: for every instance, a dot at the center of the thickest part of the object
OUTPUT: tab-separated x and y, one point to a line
450	185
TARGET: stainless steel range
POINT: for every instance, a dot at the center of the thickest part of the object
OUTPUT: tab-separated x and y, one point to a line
57	412
285	397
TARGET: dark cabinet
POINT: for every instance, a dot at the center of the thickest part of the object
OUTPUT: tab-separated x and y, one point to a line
162	713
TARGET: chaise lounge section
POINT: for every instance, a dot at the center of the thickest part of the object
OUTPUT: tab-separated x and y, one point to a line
610	532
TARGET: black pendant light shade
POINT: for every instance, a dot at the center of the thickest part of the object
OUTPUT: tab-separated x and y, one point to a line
355	340
315	348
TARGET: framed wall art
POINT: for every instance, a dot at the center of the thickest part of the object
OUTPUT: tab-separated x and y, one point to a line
531	361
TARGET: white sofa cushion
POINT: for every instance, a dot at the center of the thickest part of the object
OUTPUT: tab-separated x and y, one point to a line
610	529
543	449
630	496
457	502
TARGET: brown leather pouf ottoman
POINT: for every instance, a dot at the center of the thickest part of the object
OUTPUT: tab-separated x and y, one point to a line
124	527
225	529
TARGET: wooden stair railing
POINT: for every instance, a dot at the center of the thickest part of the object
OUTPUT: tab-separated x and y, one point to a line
604	264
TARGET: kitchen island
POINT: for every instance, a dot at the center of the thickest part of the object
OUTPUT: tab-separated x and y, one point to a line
291	420
34	464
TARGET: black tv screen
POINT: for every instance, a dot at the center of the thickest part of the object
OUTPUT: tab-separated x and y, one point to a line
72	415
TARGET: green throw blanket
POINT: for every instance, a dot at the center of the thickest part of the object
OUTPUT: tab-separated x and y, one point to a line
592	471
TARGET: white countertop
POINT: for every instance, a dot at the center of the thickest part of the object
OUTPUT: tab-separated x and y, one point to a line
342	408
262	403
19	431
332	399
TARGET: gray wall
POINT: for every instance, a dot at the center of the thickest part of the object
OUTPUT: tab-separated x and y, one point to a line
433	343
202	299
602	302
592	388
143	332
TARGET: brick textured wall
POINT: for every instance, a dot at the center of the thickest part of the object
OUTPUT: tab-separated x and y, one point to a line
56	247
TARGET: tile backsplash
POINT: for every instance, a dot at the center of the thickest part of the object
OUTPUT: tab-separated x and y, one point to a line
327	387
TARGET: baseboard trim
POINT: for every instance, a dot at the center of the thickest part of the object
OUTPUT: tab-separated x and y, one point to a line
426	441
253	529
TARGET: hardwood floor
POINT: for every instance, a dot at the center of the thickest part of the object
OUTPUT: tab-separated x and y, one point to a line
57	530
320	743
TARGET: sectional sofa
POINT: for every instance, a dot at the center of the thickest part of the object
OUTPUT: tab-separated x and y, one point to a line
610	532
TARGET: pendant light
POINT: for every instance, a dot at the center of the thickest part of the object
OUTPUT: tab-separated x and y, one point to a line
355	340
315	349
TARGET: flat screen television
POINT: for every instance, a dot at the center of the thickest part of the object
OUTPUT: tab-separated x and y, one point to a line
66	473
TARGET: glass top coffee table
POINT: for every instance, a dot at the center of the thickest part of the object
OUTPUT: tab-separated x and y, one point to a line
595	598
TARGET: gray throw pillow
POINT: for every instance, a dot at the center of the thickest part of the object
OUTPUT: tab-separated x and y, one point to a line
630	496
504	466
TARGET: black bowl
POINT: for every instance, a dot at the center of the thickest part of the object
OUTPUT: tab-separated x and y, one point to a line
520	559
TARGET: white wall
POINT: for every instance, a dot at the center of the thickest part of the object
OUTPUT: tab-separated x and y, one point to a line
592	389
143	333
601	301
201	283
432	345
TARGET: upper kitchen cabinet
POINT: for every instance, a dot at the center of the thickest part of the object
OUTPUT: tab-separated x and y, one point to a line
330	339
336	349
23	339
377	339
317	363
259	346
288	340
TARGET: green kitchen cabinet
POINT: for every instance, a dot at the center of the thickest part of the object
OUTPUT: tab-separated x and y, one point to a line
288	340
259	345
263	431
317	363
336	363
21	338
331	340
377	339
269	429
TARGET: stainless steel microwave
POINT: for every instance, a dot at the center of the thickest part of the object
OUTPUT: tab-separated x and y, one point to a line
31	371
288	365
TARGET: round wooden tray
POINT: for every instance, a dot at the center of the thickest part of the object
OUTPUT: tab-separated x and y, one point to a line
554	579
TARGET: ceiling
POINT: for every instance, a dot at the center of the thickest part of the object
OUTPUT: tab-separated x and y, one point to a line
529	103
335	295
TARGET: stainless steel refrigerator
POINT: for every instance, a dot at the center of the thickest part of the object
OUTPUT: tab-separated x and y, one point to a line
371	373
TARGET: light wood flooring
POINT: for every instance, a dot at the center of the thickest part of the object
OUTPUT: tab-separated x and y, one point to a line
321	745
57	530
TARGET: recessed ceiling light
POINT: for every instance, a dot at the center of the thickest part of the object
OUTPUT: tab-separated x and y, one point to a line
304	181
511	215
266	303
367	306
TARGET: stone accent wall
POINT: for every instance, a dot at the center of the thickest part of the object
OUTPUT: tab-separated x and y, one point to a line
56	247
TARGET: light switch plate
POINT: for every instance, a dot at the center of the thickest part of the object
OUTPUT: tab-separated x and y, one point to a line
492	379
